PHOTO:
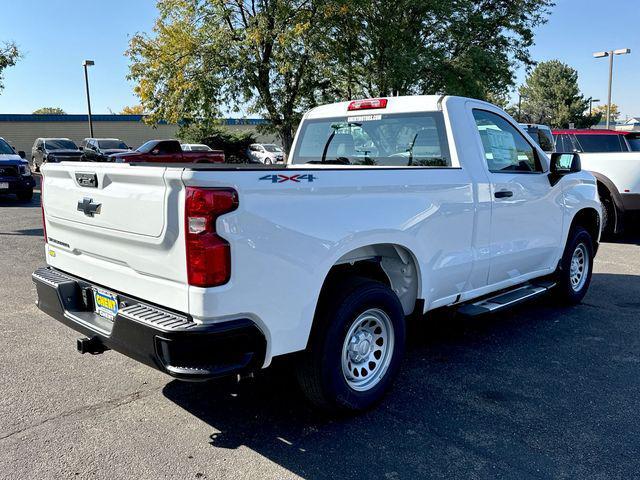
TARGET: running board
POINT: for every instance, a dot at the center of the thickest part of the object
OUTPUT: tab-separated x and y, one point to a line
506	299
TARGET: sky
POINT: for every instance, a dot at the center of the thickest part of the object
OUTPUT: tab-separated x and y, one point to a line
57	35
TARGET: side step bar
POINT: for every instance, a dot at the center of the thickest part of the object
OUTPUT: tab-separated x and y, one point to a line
506	299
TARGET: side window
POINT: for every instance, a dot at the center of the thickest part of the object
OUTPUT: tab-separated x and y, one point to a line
505	149
168	147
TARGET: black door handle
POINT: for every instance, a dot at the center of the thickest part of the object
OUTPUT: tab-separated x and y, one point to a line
503	194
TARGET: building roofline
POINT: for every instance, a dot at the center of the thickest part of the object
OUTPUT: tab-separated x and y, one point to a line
30	117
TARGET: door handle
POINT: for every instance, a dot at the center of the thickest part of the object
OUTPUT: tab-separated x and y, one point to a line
503	194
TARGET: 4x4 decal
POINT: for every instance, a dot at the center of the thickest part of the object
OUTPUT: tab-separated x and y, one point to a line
297	178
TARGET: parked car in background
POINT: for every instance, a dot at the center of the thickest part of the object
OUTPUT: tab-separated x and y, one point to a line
196	147
266	153
476	219
614	160
168	151
590	141
100	149
53	150
15	174
541	134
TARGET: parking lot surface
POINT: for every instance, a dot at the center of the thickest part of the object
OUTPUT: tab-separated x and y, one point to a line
536	392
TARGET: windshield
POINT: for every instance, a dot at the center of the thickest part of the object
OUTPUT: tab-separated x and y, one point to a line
147	147
414	139
5	148
60	145
272	148
634	142
600	143
112	144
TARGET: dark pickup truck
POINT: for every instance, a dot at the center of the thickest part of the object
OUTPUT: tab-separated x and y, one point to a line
167	151
15	174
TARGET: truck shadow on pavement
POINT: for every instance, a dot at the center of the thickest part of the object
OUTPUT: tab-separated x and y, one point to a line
538	391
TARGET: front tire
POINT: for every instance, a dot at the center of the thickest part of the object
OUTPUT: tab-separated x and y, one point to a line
356	346
576	267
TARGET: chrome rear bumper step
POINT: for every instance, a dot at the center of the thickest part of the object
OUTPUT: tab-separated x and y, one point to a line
506	299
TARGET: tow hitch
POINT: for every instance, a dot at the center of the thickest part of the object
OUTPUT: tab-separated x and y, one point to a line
91	345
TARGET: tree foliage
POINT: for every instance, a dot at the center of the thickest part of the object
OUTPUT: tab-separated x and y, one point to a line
551	96
49	111
276	58
132	110
601	110
233	143
9	55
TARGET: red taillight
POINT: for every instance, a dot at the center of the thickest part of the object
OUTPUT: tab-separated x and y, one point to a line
44	224
368	104
208	255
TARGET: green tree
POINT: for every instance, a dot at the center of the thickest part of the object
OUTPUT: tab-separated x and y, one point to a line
49	111
9	55
551	96
276	58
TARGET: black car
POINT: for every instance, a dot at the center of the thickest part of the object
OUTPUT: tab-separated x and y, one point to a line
15	175
99	149
53	150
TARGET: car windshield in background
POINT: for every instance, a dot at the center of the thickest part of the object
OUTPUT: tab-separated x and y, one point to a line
543	137
147	147
60	145
112	144
599	143
634	142
5	148
272	148
200	148
394	140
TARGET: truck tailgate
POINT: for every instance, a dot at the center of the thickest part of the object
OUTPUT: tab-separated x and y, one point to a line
115	225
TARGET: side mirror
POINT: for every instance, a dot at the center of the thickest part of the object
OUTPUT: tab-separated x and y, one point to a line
81	148
563	164
155	151
22	154
39	148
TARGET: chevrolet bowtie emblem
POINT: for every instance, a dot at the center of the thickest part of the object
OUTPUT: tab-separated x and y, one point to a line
88	207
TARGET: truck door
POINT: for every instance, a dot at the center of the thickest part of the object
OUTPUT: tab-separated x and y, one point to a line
527	212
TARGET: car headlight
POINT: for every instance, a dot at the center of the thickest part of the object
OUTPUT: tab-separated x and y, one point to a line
25	171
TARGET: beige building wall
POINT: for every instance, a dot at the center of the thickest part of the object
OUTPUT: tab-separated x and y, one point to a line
23	134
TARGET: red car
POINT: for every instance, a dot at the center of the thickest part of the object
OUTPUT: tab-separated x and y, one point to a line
596	141
167	151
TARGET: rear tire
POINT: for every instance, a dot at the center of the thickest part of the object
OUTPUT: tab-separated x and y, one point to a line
609	216
576	267
356	346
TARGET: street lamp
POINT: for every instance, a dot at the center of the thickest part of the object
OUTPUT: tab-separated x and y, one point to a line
610	54
85	64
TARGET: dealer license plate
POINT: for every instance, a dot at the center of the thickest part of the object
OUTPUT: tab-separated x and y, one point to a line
106	303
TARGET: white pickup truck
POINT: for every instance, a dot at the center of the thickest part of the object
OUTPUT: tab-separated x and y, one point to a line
386	208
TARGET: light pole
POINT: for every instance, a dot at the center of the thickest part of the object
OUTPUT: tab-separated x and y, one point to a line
591	100
85	64
610	54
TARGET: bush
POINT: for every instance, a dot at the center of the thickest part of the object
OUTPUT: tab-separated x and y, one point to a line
233	143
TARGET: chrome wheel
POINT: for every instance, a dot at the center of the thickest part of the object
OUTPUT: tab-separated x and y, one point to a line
367	349
579	269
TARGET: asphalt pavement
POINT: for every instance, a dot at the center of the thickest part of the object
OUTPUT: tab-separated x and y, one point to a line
536	392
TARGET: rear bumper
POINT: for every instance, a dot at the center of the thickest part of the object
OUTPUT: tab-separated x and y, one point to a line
168	341
17	184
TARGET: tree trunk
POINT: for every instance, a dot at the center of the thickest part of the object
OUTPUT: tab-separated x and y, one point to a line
285	132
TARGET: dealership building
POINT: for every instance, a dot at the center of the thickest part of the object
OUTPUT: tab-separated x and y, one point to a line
21	130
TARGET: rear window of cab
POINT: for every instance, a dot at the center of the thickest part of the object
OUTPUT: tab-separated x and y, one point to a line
365	139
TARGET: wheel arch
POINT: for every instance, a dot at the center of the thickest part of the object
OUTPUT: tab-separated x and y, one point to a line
589	219
606	185
389	263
